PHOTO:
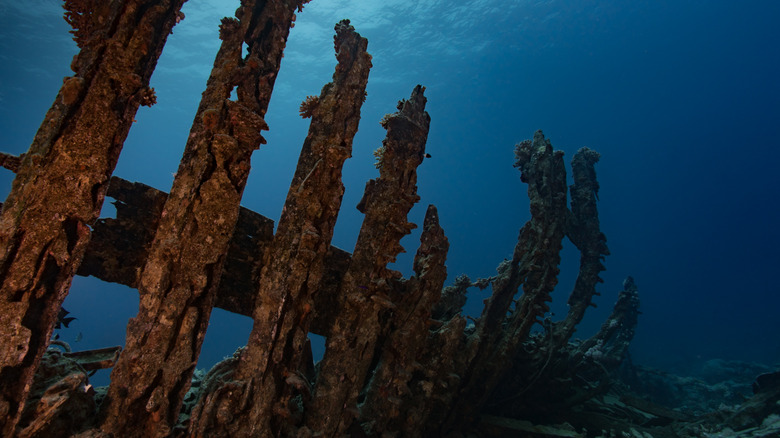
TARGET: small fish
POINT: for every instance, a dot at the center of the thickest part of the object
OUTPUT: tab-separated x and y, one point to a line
62	314
63	319
79	337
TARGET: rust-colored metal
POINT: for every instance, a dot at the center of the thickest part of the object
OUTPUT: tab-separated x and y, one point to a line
366	290
180	278
267	371
60	184
400	359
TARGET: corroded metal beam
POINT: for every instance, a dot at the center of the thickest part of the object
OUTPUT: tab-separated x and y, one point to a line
61	182
180	278
295	262
366	291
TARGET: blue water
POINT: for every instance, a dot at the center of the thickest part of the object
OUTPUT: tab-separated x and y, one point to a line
681	98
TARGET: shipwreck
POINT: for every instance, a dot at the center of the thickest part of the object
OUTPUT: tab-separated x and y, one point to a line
401	359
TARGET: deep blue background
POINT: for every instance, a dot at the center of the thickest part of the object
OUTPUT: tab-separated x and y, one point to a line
681	98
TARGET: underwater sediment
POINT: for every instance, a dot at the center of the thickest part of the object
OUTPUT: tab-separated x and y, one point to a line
400	360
